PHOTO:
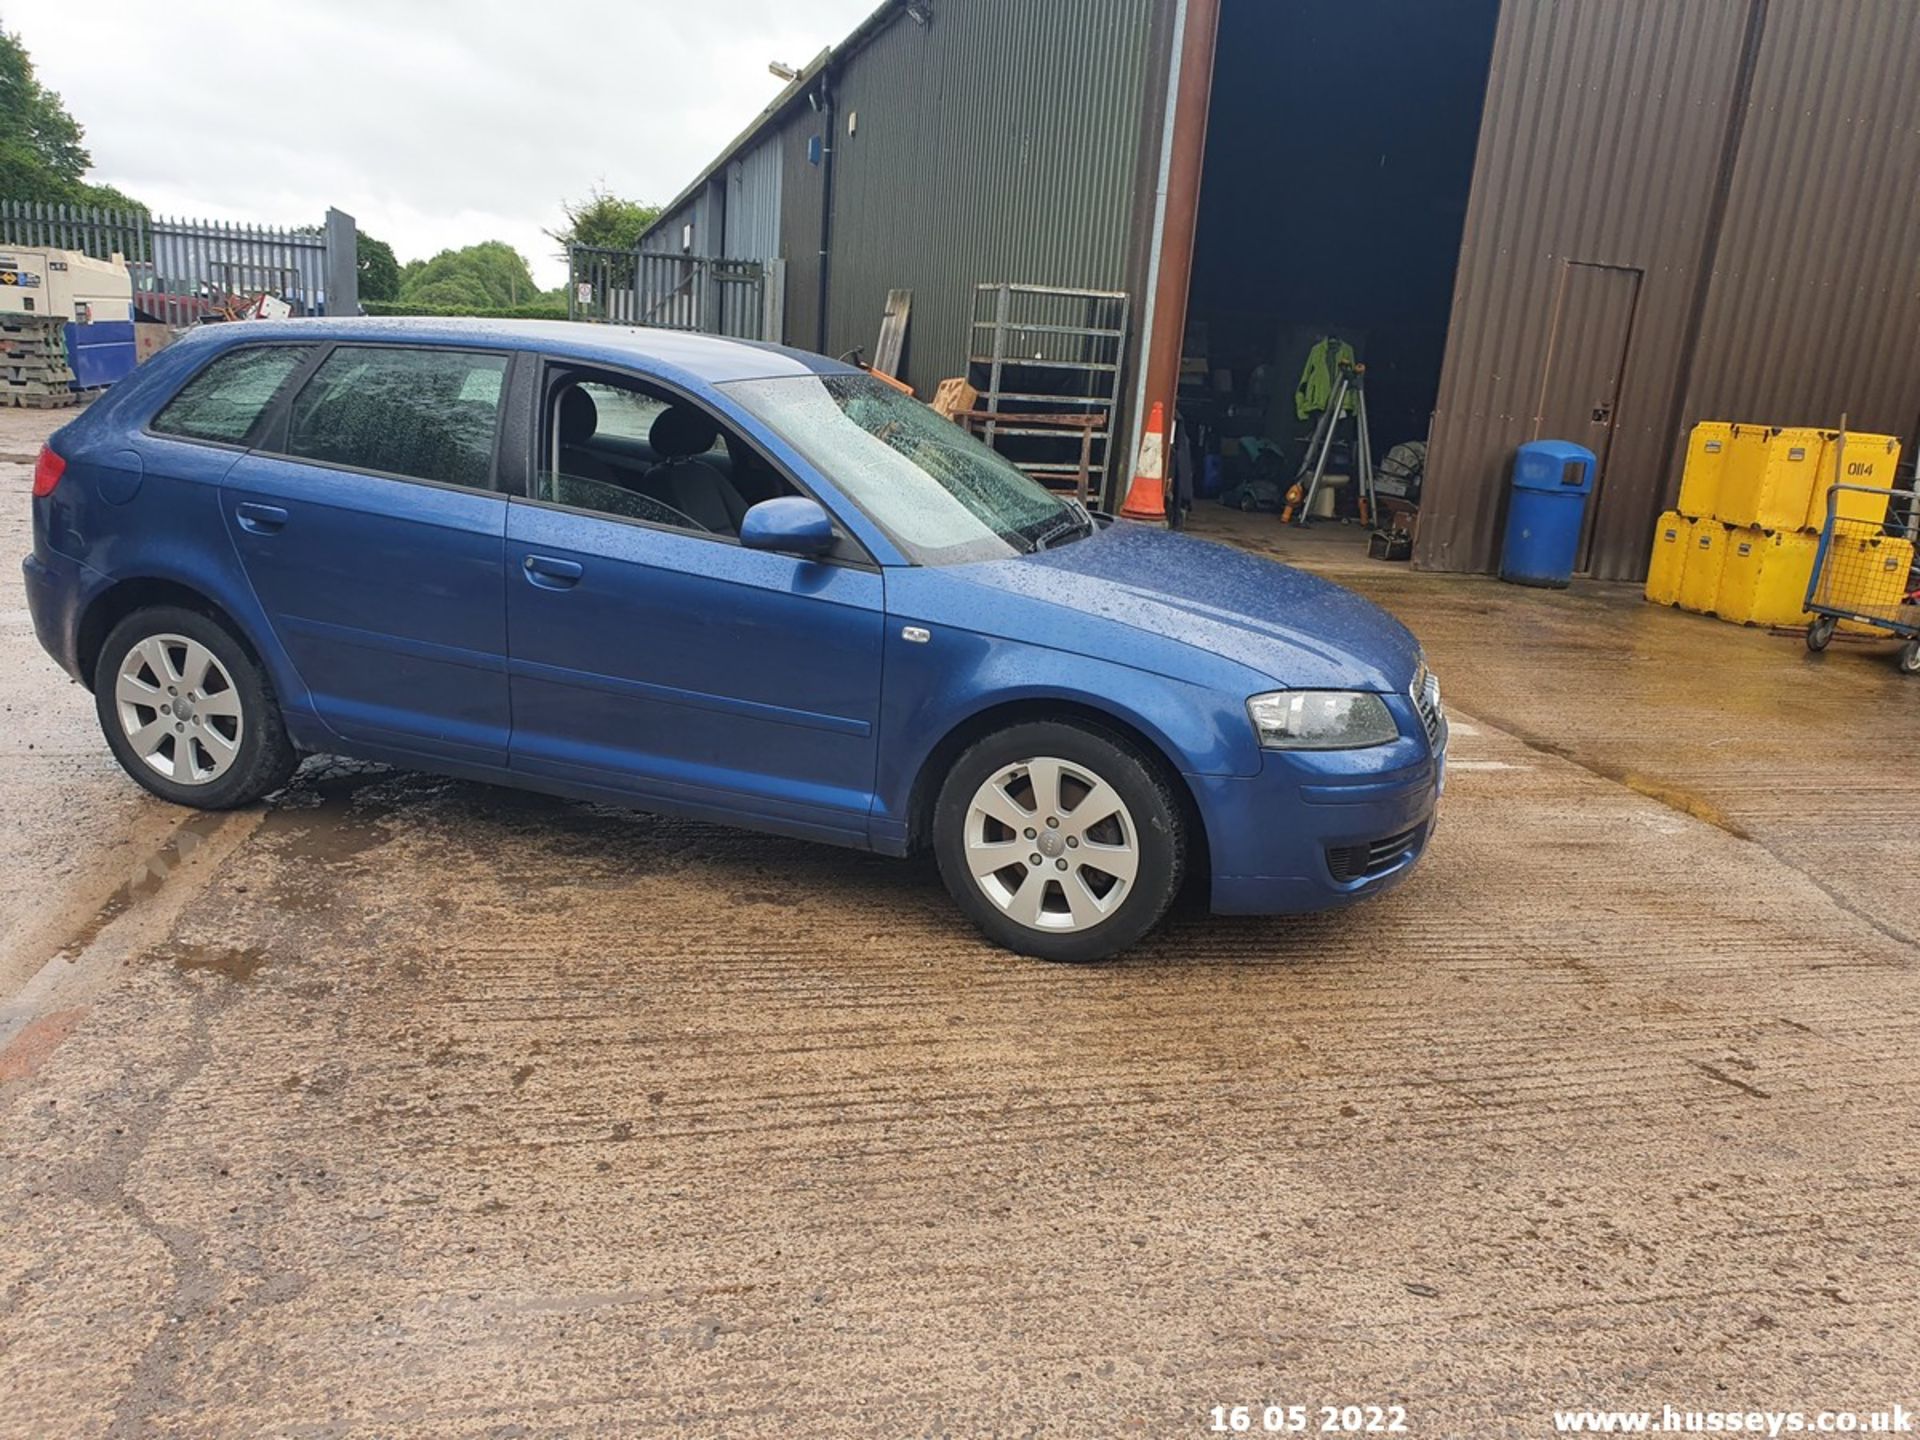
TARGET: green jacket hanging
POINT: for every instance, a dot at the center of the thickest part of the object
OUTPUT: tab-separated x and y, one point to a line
1317	377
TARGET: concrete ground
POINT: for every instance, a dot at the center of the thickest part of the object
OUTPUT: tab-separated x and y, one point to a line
405	1107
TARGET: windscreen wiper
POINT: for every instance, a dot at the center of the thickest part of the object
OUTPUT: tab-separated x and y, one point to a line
1078	523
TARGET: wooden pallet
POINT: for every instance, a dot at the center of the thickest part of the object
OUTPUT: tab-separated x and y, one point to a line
24	400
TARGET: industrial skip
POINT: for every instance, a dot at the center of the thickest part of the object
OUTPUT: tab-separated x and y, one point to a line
1863	571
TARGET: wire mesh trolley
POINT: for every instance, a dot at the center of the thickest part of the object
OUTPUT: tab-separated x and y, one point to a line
1864	568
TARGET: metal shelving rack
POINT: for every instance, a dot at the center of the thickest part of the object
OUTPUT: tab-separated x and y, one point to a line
1063	349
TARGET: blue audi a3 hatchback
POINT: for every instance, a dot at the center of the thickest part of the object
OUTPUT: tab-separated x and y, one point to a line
724	580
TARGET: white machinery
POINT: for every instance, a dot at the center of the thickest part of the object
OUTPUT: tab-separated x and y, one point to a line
64	285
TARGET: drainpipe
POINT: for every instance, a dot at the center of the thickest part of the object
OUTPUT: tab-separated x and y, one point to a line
1170	268
826	203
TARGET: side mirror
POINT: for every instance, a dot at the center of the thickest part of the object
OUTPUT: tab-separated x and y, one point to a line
793	524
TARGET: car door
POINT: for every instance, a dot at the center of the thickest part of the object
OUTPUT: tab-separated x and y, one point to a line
651	655
372	531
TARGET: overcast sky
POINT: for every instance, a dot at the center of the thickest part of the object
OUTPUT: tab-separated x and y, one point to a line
435	123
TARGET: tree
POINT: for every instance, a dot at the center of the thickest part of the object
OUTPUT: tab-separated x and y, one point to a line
489	276
42	154
605	221
379	271
34	119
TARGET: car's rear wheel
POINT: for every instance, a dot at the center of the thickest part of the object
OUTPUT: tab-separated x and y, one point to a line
188	712
1059	840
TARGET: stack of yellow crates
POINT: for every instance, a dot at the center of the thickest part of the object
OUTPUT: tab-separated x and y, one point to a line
1753	500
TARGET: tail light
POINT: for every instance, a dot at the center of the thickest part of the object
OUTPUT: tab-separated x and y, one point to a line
47	471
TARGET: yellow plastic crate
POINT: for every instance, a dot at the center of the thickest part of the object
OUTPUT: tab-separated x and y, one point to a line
1764	578
1742	469
1867	573
1706	460
1700	574
1770	476
1669	558
1870	460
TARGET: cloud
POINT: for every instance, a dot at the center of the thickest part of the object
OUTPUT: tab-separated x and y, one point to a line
435	124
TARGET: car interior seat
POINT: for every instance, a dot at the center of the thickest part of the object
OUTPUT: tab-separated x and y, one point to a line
689	483
579	419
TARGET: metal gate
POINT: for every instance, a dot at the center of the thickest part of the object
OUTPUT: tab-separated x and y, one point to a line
184	271
673	292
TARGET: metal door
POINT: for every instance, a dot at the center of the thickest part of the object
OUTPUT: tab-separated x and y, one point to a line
688	668
1592	330
388	594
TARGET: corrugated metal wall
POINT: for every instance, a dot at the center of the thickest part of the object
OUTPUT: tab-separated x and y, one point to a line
751	224
1602	142
997	143
801	190
664	238
1755	161
1815	302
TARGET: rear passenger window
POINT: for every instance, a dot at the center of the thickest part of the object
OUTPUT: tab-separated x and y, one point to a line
223	400
425	414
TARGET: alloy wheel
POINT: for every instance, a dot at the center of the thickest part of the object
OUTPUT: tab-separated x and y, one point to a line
179	709
1051	844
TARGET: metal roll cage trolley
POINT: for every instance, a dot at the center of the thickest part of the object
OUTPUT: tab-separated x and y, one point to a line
1863	570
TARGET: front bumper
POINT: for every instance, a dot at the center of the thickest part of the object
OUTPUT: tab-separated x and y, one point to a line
1305	833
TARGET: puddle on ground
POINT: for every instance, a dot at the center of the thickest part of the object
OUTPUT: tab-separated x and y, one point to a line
317	817
147	878
234	962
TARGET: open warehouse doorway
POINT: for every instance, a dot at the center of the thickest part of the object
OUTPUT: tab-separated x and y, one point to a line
1339	156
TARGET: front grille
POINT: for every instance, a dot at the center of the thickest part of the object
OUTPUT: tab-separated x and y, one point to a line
1353	862
1426	699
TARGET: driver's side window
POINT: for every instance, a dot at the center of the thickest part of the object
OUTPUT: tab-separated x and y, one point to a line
614	446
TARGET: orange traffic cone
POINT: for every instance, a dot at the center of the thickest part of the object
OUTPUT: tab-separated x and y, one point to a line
1147	496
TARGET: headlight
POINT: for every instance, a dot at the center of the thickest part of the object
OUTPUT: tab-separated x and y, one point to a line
1321	720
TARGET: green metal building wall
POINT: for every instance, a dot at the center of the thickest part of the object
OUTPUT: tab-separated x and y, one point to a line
1002	141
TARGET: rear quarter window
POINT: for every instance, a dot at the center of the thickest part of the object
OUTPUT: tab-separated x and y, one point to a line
222	401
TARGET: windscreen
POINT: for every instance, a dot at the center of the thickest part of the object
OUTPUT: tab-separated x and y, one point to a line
939	494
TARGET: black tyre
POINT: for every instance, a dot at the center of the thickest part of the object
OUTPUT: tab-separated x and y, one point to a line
1059	840
1910	658
1820	632
188	711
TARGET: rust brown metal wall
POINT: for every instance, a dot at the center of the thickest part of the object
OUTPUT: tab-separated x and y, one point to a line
1755	162
1602	142
1814	305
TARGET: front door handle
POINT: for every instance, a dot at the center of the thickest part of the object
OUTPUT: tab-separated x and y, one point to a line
551	574
260	519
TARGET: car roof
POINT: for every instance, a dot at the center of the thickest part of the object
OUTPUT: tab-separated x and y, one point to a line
678	355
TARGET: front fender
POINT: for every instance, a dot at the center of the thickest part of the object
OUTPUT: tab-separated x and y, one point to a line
935	687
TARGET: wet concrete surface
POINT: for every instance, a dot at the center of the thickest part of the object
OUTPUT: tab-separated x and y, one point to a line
75	830
1810	755
407	1107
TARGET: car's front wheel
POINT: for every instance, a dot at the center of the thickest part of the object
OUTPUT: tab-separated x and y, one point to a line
1059	840
188	712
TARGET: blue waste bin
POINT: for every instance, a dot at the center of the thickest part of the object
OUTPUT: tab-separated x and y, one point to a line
1551	482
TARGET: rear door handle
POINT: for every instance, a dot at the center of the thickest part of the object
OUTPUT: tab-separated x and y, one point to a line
260	519
551	574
